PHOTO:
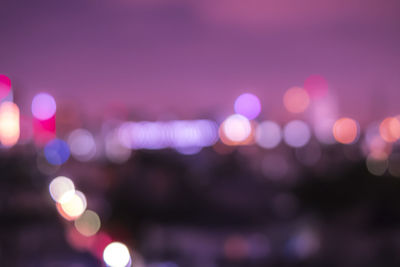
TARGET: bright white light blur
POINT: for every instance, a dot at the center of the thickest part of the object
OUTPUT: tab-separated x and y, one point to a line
73	207
82	145
237	128
346	130
296	133
61	189
305	243
43	106
9	124
268	134
174	134
116	254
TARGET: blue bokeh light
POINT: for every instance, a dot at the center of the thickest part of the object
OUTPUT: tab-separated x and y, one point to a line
56	152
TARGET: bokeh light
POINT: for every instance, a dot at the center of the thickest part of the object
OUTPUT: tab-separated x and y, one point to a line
389	129
177	134
88	223
43	106
236	248
346	131
324	113
72	208
304	244
248	105
268	134
373	143
236	128
296	133
116	254
296	100
377	166
82	145
115	151
56	152
61	189
5	86
316	86
9	124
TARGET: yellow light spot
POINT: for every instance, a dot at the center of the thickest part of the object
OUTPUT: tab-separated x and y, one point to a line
88	223
73	207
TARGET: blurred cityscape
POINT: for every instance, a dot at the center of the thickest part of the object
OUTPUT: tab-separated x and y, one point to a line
212	133
315	190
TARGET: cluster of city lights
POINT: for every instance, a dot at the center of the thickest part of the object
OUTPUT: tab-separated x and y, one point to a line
241	128
181	135
71	204
313	102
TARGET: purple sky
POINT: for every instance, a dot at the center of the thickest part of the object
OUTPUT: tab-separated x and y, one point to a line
188	57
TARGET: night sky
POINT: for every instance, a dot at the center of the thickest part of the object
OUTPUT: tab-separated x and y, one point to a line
189	57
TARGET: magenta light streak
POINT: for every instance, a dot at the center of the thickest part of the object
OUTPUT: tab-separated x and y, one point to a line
5	86
316	86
